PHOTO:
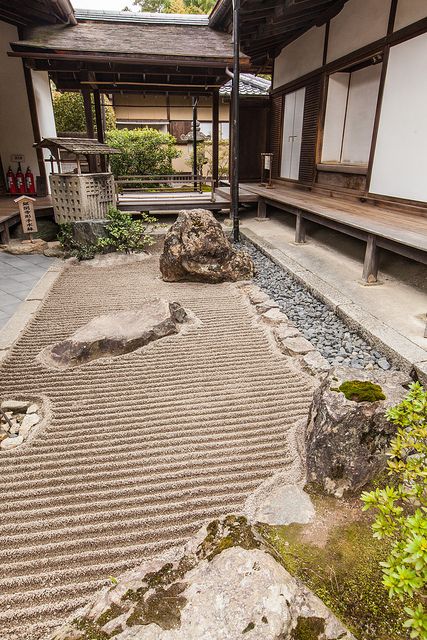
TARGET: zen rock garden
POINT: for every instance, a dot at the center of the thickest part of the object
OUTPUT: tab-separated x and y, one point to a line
232	579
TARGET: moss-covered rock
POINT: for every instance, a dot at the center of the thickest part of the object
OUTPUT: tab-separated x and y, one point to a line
361	391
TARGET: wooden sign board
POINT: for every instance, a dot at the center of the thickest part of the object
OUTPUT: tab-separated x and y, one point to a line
26	211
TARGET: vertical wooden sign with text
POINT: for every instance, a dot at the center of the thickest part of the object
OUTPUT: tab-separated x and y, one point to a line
28	216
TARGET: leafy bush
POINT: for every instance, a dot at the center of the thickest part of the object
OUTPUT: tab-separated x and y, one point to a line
70	115
402	510
124	234
143	152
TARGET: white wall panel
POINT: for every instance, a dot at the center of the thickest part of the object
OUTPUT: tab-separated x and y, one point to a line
45	114
16	133
335	117
362	104
400	163
359	23
409	11
300	57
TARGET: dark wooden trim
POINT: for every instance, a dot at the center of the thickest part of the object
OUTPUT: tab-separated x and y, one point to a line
100	128
321	121
215	137
90	129
168	111
326	42
377	117
392	16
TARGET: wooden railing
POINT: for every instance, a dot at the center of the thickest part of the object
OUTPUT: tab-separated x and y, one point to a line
174	183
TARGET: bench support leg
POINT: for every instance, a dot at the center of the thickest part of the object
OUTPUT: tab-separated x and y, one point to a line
300	229
5	235
370	265
262	209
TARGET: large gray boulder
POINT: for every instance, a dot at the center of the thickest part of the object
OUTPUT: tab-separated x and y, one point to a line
224	585
347	437
117	333
197	249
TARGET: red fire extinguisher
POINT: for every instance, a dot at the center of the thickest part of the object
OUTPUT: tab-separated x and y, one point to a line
10	181
30	187
20	181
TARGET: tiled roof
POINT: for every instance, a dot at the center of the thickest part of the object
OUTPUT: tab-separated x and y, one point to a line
249	85
84	146
141	17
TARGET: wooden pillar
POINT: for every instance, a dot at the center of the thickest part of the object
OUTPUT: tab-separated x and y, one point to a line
194	104
90	129
42	189
262	209
100	125
300	229
215	137
370	265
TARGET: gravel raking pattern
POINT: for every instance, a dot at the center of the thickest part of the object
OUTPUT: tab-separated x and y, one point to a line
141	449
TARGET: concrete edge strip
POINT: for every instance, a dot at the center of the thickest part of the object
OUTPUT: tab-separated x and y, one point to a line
27	309
407	355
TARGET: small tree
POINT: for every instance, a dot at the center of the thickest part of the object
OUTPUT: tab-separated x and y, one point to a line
143	152
205	158
402	510
70	114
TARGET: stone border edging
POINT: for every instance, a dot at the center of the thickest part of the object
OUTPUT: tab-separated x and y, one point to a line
27	309
407	355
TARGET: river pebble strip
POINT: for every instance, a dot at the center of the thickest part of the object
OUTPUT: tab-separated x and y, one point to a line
316	321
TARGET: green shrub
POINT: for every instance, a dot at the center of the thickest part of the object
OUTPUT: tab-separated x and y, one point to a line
402	510
143	152
123	233
70	114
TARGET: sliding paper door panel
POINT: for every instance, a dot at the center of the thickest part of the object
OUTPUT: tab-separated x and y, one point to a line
292	134
400	162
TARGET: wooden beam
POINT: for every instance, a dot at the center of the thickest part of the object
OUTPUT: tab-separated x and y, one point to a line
100	125
215	138
35	126
300	229
90	130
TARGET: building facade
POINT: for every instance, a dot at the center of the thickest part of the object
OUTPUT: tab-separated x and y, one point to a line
349	102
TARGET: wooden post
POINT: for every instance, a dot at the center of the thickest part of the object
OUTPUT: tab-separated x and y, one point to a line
194	104
370	265
300	229
235	174
262	209
90	130
100	130
215	137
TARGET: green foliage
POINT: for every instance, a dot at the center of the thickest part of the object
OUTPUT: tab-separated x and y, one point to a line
70	115
124	234
361	391
205	158
176	6
143	152
402	510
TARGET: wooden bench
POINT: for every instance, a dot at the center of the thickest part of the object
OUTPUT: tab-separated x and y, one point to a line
402	232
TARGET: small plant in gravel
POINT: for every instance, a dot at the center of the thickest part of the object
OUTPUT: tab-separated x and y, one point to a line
123	233
402	510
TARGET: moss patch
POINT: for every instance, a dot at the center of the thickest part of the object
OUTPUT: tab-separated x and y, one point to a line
308	629
361	391
344	573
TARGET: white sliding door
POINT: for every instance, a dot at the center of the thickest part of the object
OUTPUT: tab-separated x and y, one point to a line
292	134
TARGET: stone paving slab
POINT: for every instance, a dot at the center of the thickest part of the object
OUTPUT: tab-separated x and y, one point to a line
18	275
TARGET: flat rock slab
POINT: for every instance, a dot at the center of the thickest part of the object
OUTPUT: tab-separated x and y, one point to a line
118	333
286	505
224	584
196	249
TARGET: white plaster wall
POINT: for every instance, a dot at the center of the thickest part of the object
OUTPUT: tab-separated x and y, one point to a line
16	133
409	11
300	57
335	116
359	23
46	118
400	163
362	104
